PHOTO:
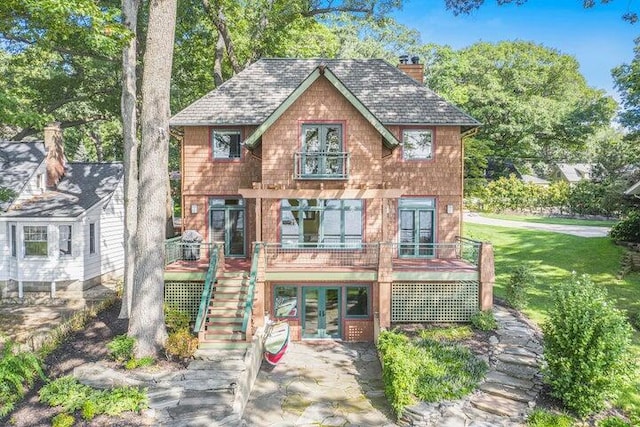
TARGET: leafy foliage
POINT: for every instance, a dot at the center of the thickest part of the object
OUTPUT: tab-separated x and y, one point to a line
484	320
18	371
613	422
427	369
628	229
63	420
121	348
586	341
449	333
73	396
542	418
181	343
516	290
176	319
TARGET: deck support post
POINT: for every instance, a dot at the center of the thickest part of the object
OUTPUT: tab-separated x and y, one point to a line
20	289
53	289
487	276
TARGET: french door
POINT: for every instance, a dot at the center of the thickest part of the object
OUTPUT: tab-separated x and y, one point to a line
321	315
227	224
416	229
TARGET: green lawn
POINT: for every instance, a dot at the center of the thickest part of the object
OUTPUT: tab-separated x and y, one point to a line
553	257
552	220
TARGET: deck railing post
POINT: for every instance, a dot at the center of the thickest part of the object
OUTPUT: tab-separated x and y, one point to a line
487	276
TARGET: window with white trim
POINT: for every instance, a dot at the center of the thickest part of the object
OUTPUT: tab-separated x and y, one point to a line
35	240
64	239
92	238
417	144
14	241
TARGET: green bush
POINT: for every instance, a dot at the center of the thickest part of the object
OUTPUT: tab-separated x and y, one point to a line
134	363
613	422
449	333
426	369
484	320
628	229
121	348
72	396
181	344
18	371
586	342
516	290
542	418
63	420
176	319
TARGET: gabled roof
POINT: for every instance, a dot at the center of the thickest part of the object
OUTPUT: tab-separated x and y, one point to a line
18	163
634	189
83	185
253	95
574	172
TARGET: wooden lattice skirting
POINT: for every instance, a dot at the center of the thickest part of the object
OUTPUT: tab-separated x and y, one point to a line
434	301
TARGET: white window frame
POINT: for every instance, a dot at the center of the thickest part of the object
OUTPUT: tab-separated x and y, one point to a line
27	232
407	153
68	241
93	233
219	154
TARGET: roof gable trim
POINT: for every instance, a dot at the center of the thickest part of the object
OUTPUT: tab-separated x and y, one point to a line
388	138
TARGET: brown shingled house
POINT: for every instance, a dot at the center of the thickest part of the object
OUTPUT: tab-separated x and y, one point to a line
329	193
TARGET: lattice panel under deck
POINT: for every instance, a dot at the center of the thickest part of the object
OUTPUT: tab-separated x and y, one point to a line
184	296
434	301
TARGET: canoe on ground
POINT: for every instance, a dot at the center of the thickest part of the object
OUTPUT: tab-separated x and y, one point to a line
276	343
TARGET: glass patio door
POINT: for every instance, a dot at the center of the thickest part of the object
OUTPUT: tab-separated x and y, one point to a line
321	316
227	224
416	233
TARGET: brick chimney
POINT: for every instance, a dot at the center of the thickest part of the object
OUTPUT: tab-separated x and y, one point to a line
415	70
54	145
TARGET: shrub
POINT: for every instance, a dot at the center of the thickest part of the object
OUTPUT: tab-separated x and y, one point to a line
516	290
451	333
181	343
542	418
134	363
628	229
586	341
176	319
484	320
426	369
72	396
121	348
613	422
63	420
18	371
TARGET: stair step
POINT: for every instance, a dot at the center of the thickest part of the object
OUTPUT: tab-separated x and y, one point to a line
231	289
223	345
235	274
224	329
217	303
215	335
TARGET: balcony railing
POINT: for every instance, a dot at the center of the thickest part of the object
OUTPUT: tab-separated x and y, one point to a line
177	250
321	165
359	255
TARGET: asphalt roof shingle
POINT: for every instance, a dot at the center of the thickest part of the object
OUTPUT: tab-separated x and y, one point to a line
18	162
83	185
251	96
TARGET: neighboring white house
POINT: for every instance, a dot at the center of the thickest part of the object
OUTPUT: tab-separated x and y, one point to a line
572	172
63	225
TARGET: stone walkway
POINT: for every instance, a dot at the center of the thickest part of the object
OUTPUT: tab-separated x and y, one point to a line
322	383
509	391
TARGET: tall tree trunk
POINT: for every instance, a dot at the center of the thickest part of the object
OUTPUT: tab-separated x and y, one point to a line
129	131
146	324
218	79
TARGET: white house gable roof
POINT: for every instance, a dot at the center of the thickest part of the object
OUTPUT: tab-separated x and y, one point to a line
18	163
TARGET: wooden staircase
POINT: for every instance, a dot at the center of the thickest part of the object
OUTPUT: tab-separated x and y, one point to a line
223	321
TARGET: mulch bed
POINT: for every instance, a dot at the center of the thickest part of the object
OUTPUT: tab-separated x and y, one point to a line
85	346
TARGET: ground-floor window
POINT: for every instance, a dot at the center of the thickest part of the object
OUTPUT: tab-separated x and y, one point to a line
65	240
320	222
321	309
14	241
35	240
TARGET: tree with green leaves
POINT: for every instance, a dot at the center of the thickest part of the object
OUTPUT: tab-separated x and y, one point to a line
532	101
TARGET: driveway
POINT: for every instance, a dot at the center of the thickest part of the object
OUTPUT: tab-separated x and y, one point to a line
574	230
324	383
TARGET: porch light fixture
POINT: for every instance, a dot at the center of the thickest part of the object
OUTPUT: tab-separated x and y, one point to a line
194	209
449	209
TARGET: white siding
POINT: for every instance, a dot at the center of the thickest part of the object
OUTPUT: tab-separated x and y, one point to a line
92	266
5	254
111	236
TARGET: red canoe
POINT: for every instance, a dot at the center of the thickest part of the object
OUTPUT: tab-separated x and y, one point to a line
275	346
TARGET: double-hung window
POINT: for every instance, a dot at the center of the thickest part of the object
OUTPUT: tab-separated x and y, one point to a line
64	240
322	155
417	144
14	241
35	240
226	144
321	223
92	238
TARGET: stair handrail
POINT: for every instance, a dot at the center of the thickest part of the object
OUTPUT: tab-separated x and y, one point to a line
253	277
208	287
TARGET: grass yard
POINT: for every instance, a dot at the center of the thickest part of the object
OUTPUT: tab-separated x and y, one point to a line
553	257
551	220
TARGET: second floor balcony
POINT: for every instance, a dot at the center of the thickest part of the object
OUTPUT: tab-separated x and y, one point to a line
321	165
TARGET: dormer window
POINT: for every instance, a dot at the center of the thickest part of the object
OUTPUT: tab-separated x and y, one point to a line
417	144
322	154
40	182
226	144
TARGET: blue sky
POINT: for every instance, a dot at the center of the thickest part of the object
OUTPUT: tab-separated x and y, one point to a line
598	37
